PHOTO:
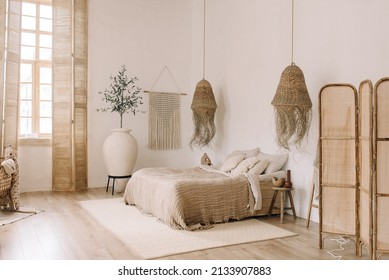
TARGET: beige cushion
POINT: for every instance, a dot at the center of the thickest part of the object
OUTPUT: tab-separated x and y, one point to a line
276	162
247	153
245	165
231	163
259	167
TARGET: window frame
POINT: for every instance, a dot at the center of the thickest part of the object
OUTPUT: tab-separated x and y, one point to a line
37	64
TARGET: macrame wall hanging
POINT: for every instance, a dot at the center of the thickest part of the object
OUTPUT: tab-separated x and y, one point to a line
204	108
164	118
292	105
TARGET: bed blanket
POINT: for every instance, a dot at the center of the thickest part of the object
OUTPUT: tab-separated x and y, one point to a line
193	198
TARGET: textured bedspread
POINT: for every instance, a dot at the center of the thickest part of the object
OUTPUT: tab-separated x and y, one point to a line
192	198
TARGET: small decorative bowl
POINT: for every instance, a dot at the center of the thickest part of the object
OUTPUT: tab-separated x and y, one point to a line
278	182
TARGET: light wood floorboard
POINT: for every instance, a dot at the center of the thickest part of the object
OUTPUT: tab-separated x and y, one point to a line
67	232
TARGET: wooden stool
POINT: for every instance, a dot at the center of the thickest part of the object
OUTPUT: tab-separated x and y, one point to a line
287	192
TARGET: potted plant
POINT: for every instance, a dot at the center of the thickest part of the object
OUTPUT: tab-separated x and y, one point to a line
120	149
122	96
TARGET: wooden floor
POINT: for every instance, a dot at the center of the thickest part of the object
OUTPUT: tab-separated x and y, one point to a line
65	231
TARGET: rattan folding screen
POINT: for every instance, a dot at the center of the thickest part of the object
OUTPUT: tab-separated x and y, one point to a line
365	122
354	163
338	199
381	175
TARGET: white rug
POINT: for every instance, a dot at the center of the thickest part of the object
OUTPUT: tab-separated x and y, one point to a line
151	238
9	217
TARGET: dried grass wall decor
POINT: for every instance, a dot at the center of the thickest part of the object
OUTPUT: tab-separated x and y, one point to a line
293	108
204	108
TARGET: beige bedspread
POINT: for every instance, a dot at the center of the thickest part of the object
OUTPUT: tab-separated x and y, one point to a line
192	198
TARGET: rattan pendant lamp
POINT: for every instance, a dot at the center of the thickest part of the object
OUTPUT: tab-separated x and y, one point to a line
204	108
292	105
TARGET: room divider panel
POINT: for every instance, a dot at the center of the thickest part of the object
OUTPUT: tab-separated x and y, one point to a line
338	174
338	200
381	176
354	164
365	164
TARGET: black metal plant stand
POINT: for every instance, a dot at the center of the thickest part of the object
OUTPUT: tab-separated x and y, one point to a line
113	183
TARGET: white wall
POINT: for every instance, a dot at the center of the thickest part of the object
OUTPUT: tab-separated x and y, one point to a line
248	44
145	36
339	42
35	165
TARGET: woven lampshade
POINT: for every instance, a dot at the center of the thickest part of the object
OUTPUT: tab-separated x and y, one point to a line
204	108
293	107
203	96
292	90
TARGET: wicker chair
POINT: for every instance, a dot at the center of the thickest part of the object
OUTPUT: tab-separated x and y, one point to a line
6	187
9	184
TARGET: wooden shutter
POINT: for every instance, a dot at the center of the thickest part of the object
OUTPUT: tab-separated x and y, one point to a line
62	95
2	63
80	93
10	64
69	95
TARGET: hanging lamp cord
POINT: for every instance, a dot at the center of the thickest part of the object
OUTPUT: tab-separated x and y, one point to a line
292	31
204	40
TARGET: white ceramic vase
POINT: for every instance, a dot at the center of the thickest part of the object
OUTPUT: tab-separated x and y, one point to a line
120	151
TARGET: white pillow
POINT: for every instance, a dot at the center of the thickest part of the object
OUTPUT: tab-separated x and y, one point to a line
244	165
248	153
231	163
259	167
276	162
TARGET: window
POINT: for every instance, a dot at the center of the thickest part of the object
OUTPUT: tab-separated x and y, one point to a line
35	89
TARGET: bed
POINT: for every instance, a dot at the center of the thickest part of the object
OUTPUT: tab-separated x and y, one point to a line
196	198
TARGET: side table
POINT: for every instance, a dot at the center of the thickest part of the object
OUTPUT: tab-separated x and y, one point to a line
283	191
113	183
